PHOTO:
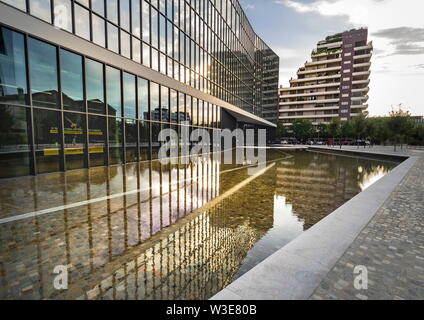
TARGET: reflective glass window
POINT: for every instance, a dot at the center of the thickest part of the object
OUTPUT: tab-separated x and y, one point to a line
135	17
164	101
41	9
156	128
174	106
113	91
146	55
194	112
112	10
14	141
13	82
154	28
136	50
98	6
131	136
20	4
99	35
125	45
112	38
95	89
47	140
43	73
97	140
154	101
72	81
143	99
129	96
188	116
63	14
181	107
146	22
124	12
82	22
75	140
115	140
144	140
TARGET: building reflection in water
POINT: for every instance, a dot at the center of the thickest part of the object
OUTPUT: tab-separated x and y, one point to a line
150	231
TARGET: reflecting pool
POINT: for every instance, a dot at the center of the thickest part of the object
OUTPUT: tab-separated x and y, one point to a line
150	231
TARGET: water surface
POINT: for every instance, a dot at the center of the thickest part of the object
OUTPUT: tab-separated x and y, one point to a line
149	231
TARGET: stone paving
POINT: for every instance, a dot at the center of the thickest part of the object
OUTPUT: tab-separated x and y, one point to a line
391	247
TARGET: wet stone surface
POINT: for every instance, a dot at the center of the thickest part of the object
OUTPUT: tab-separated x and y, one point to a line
391	247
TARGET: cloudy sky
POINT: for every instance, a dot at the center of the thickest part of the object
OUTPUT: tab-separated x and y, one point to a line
396	27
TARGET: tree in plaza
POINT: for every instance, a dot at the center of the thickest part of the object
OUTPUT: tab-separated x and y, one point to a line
282	130
359	126
418	134
347	130
377	130
302	129
322	130
400	125
334	128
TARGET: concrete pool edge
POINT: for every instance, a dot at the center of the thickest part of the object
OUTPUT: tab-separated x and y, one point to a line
296	270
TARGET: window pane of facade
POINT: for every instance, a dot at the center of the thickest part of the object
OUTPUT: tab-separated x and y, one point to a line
154	25
131	136
20	4
113	91
112	10
156	128
82	22
143	99
43	73
115	140
72	81
174	106
63	14
200	113
99	35
112	38
125	45
95	87
41	9
13	82
124	14
129	96
181	107
188	110
146	22
164	102
194	114
146	55
97	140
14	141
135	17
144	140
136	50
47	140
162	34
98	6
74	140
154	101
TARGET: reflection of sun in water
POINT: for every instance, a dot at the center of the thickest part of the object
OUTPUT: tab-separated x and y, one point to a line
373	177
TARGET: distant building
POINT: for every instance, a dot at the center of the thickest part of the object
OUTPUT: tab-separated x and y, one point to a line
418	119
334	84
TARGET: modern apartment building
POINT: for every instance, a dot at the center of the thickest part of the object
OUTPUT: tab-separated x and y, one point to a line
334	84
87	83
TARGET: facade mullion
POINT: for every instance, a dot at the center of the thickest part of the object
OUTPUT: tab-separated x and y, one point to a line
62	114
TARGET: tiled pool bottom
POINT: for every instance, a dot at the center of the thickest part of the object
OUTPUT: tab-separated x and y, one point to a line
148	231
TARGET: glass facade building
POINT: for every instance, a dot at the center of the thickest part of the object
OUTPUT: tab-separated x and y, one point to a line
91	83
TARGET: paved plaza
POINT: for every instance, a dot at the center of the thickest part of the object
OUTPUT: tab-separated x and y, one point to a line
391	247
